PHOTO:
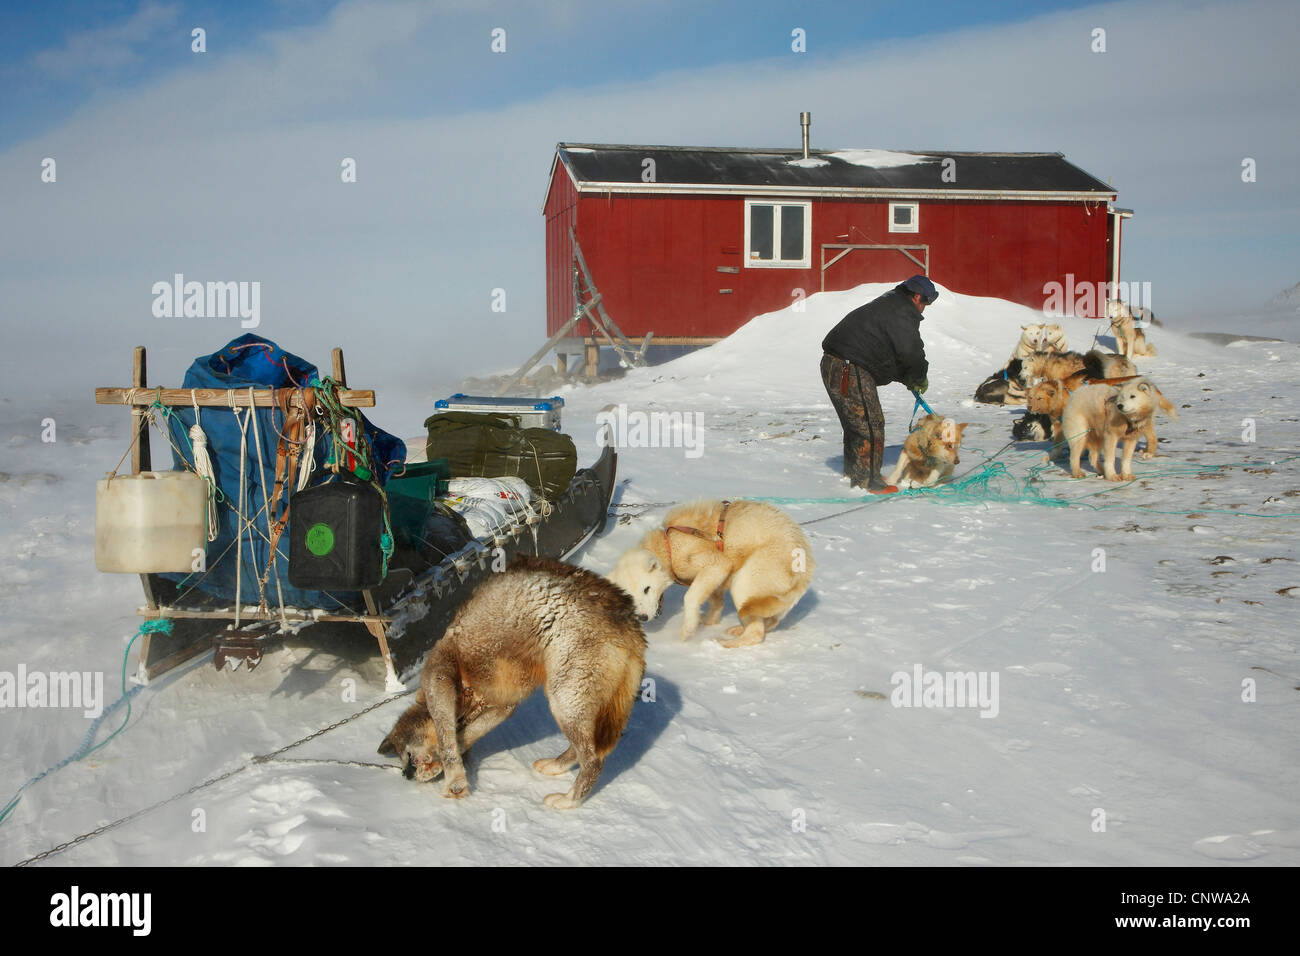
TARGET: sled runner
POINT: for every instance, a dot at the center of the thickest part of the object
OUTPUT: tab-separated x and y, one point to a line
306	432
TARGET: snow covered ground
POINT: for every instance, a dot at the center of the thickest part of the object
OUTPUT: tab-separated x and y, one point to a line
1121	735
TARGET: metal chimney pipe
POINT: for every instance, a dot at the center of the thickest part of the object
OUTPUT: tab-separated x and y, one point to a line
805	120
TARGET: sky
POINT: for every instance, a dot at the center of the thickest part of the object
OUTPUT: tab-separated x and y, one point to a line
225	164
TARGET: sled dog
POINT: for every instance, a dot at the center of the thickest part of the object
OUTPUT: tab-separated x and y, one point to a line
1049	398
1098	364
749	548
539	623
1045	366
929	453
1129	339
1098	417
1031	427
1039	338
1001	388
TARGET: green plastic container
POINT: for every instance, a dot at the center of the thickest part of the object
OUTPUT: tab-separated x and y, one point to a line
411	497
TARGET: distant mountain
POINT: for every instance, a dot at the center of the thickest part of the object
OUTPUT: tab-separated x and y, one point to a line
1286	299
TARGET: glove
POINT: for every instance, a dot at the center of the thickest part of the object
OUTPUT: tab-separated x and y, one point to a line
921	386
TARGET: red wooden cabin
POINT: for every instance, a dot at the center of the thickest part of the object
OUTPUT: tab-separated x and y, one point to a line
691	242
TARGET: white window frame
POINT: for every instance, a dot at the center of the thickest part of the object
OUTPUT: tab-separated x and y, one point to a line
916	217
805	262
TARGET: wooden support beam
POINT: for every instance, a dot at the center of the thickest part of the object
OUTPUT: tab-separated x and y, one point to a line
606	324
668	339
255	614
538	355
624	354
336	365
140	397
141	459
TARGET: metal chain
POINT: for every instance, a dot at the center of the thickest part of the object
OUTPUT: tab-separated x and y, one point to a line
324	730
340	763
127	819
263	758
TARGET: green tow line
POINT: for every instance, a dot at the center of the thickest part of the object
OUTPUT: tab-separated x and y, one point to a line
157	626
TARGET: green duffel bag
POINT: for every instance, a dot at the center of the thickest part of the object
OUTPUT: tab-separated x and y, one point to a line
490	445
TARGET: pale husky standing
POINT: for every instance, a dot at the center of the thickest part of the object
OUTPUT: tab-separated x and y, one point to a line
1130	341
1097	418
538	623
749	548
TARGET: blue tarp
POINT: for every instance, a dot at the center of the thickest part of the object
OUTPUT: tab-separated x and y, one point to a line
251	360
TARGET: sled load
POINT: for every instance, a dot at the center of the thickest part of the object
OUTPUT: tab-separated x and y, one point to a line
285	506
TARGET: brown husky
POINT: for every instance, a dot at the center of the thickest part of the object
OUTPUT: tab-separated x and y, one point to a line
539	623
1047	366
929	452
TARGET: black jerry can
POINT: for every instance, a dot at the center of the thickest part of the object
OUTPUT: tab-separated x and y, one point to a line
334	532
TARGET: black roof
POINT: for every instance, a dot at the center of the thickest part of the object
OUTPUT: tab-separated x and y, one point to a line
840	170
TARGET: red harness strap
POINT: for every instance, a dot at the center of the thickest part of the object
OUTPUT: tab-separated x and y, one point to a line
717	538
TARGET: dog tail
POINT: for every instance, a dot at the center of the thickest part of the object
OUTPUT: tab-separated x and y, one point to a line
612	717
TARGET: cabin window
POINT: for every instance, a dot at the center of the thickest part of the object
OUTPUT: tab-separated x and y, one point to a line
777	234
903	217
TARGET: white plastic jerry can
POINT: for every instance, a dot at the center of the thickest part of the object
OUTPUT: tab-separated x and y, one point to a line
150	522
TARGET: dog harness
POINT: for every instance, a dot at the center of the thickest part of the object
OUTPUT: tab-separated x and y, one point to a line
684	529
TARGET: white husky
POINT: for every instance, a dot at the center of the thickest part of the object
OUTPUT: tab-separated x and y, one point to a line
749	548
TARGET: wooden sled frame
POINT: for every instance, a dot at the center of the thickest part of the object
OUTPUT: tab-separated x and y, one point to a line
161	652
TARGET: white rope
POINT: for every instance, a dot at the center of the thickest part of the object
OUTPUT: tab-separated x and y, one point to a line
266	510
240	520
203	466
307	463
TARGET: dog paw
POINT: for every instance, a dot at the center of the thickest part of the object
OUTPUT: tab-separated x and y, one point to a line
551	767
743	637
560	801
688	630
1148	455
1114	478
426	770
457	786
1076	474
1127	476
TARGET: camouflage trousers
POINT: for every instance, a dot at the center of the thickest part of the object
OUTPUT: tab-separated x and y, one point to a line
853	393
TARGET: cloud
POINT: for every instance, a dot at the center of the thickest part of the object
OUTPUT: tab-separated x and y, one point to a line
230	170
106	51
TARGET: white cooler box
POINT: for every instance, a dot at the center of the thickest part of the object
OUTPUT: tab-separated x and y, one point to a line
532	412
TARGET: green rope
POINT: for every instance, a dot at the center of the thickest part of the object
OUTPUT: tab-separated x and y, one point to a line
327	398
157	626
994	483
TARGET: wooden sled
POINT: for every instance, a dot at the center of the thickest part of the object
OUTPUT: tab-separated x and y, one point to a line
405	615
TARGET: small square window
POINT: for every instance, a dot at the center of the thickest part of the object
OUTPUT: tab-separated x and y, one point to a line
904	217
